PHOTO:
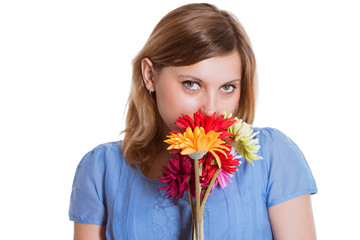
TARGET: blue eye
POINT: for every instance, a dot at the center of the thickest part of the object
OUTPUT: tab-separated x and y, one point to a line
191	85
228	88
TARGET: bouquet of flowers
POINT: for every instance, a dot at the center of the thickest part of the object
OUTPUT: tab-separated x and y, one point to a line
204	156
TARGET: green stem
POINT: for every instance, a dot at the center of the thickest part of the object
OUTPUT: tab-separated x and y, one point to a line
192	214
197	199
208	190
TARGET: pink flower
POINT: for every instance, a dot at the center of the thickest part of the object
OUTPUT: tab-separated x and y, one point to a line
223	179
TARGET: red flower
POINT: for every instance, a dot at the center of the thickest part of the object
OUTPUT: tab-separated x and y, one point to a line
176	174
229	164
228	167
180	176
218	124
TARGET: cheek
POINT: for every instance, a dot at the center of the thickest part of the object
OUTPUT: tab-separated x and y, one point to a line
171	104
229	105
233	104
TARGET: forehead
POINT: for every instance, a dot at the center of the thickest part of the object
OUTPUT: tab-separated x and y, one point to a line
225	68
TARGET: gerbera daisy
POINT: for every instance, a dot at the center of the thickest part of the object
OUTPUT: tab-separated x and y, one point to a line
177	174
196	144
244	141
222	179
219	124
229	165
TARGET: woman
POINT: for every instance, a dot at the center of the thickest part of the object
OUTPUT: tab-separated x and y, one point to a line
197	57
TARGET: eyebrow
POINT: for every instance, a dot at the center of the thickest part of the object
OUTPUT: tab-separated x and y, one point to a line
189	76
201	81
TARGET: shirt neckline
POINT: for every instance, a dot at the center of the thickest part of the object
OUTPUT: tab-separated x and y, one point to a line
153	181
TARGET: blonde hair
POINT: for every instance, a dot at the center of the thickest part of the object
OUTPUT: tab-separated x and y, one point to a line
185	36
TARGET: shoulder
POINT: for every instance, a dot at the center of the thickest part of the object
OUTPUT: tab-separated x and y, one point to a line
102	160
107	150
288	173
103	154
274	142
92	184
268	134
278	150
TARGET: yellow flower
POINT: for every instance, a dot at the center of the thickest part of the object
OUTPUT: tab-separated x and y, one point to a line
196	144
243	140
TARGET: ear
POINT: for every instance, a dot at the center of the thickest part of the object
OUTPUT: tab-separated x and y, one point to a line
148	73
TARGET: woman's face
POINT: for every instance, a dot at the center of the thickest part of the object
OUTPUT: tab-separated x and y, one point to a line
212	85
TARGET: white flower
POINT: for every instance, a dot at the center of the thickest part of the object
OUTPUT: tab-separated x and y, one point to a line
244	141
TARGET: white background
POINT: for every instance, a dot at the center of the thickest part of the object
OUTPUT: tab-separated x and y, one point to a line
65	69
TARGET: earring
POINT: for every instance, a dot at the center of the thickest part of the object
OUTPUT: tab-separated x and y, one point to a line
150	92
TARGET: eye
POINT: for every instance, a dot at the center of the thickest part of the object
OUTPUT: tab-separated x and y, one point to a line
191	85
228	88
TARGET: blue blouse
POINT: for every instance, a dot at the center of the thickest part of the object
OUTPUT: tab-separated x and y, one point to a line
107	191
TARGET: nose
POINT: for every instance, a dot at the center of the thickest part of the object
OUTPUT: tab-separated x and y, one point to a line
209	105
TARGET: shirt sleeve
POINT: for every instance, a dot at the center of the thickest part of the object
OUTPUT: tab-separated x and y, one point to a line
87	202
289	174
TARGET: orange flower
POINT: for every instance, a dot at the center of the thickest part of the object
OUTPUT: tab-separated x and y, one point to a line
196	144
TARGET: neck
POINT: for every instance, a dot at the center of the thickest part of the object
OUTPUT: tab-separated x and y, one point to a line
162	157
161	160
